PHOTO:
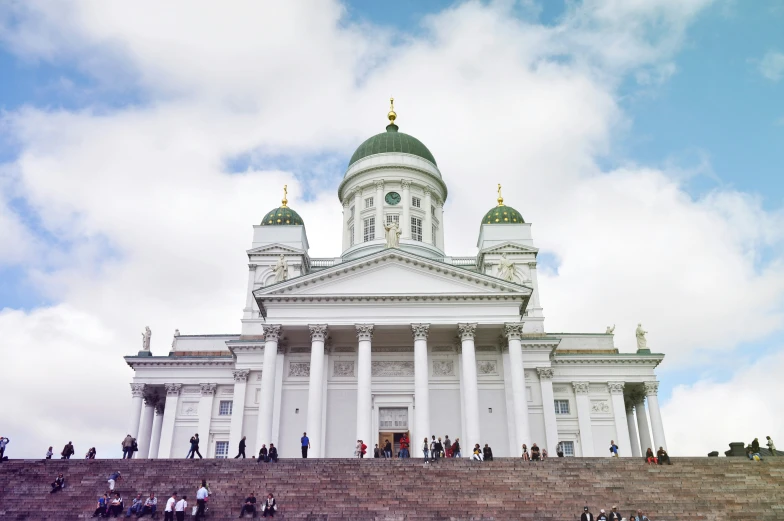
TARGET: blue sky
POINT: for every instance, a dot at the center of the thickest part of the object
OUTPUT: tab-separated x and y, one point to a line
704	134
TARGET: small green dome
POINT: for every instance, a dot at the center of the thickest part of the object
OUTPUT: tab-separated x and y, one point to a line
503	214
392	141
283	216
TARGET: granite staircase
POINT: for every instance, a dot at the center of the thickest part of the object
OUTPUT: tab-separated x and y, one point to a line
715	489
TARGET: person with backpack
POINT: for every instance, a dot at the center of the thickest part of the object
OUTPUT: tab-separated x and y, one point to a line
613	449
126	446
68	451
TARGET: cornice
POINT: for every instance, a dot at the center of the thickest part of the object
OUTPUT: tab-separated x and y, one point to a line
652	361
166	361
392	166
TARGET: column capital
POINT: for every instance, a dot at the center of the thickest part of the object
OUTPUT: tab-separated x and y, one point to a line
137	390
252	267
272	332
580	387
615	387
318	332
379	184
241	375
173	389
208	389
532	265
545	373
651	388
420	331
513	330
428	190
467	331
405	183
364	331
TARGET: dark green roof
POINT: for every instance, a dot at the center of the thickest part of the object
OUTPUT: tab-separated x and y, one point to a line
392	141
281	217
503	215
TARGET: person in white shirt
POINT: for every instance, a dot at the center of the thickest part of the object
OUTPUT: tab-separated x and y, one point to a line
168	512
179	508
201	500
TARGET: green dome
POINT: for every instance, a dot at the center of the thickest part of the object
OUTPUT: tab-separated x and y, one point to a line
283	216
392	141
502	214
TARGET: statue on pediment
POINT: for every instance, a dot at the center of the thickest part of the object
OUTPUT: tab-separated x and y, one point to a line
506	269
642	343
146	338
281	269
392	235
610	330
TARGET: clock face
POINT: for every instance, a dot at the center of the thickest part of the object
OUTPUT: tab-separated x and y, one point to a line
392	198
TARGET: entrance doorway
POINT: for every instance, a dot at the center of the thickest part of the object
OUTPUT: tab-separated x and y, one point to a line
394	439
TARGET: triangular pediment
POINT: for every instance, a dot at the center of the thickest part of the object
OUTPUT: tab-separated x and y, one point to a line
394	272
275	249
509	247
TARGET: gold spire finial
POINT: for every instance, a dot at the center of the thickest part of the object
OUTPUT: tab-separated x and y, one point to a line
500	199
285	200
392	116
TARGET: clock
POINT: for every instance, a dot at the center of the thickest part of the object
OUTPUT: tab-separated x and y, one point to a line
392	198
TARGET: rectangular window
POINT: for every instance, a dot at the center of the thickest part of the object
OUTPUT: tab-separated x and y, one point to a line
393	418
416	202
393	218
434	235
433	211
352	212
567	447
416	228
369	232
369	202
221	449
561	406
351	235
225	407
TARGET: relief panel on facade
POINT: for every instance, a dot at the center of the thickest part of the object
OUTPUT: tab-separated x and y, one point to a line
189	409
486	367
560	389
343	368
299	368
392	368
443	368
600	407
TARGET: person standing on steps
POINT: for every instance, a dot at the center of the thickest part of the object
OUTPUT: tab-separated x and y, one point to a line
602	516
376	452
90	453
771	446
179	509
613	449
426	448
49	453
201	500
195	446
614	514
447	446
587	516
456	449
242	449
4	441
305	441
388	450
404	443
168	511
68	451
126	444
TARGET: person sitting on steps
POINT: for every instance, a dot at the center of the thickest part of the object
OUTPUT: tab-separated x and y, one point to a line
250	505
525	456
477	455
273	454
535	454
487	453
116	505
100	509
58	484
136	506
262	454
270	506
649	457
662	456
150	505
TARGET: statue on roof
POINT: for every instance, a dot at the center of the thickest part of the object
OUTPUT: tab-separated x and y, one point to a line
392	235
281	269
610	330
506	269
642	343
146	338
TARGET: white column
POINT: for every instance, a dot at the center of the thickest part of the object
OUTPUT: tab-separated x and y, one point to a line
622	438
205	416
632	426
267	401
248	311
405	224
520	400
364	398
145	431
318	334
548	408
440	233
357	219
137	397
427	233
238	409
346	217
651	391
157	423
584	417
470	388
642	424
421	382
379	204
169	414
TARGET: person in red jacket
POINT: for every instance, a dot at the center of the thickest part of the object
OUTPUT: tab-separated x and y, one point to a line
364	449
404	442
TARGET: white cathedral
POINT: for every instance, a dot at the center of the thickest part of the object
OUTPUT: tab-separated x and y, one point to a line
394	337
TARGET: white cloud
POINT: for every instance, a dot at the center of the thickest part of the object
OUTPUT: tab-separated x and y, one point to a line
708	415
772	65
157	229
